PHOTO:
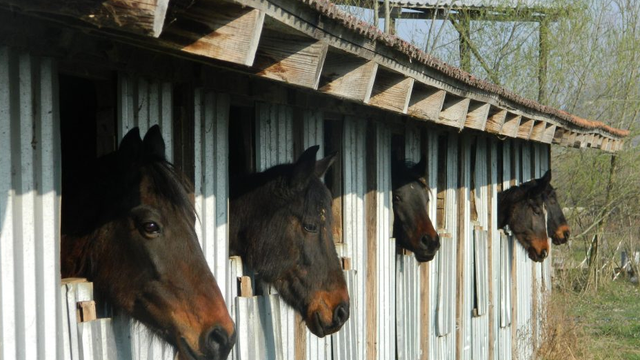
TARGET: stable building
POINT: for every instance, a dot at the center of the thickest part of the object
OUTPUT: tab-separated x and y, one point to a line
242	86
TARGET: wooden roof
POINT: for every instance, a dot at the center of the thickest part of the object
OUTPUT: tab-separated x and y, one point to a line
313	44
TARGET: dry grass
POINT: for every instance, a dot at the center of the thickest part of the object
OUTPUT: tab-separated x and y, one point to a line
592	325
561	336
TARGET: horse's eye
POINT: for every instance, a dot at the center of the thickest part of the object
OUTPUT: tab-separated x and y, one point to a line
151	228
312	228
397	198
537	210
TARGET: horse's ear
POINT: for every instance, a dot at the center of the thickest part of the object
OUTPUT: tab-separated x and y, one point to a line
304	168
543	183
154	143
130	146
420	168
323	165
547	177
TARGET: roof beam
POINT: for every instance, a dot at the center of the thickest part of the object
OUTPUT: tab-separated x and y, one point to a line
348	76
496	120
511	125
537	133
477	115
426	102
290	58
549	133
217	30
391	91
454	111
144	17
525	128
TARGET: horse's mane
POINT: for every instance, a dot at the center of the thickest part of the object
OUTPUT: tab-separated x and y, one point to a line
515	193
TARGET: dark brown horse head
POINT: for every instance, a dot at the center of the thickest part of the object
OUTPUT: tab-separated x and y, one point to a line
522	209
281	225
412	227
557	225
130	230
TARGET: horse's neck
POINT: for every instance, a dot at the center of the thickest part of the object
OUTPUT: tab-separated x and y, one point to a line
74	253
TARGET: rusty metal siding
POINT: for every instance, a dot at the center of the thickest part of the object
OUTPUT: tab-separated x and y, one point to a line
29	203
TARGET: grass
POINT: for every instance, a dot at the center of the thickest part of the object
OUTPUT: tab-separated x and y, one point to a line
600	325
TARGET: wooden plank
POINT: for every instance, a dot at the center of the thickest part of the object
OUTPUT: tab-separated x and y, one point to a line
558	135
144	17
477	115
496	120
538	131
218	30
525	128
511	125
348	76
245	288
426	102
454	111
549	134
293	59
86	311
391	91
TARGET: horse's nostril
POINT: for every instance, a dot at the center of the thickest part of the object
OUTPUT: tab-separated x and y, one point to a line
543	254
566	234
341	314
218	342
433	244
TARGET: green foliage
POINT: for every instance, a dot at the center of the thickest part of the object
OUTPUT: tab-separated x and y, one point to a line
609	320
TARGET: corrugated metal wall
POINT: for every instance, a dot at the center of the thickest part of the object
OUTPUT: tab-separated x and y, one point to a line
30	172
313	134
29	207
354	223
143	103
408	279
444	279
386	250
274	145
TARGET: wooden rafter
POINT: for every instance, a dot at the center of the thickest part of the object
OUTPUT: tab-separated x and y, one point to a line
426	102
391	91
145	17
217	30
348	76
293	59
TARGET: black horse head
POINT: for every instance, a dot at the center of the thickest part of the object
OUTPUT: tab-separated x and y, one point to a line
412	227
522	208
281	225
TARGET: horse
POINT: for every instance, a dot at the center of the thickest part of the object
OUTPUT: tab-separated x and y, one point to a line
280	225
129	227
557	225
412	227
522	208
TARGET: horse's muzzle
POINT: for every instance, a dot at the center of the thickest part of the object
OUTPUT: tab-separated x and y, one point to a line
217	343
